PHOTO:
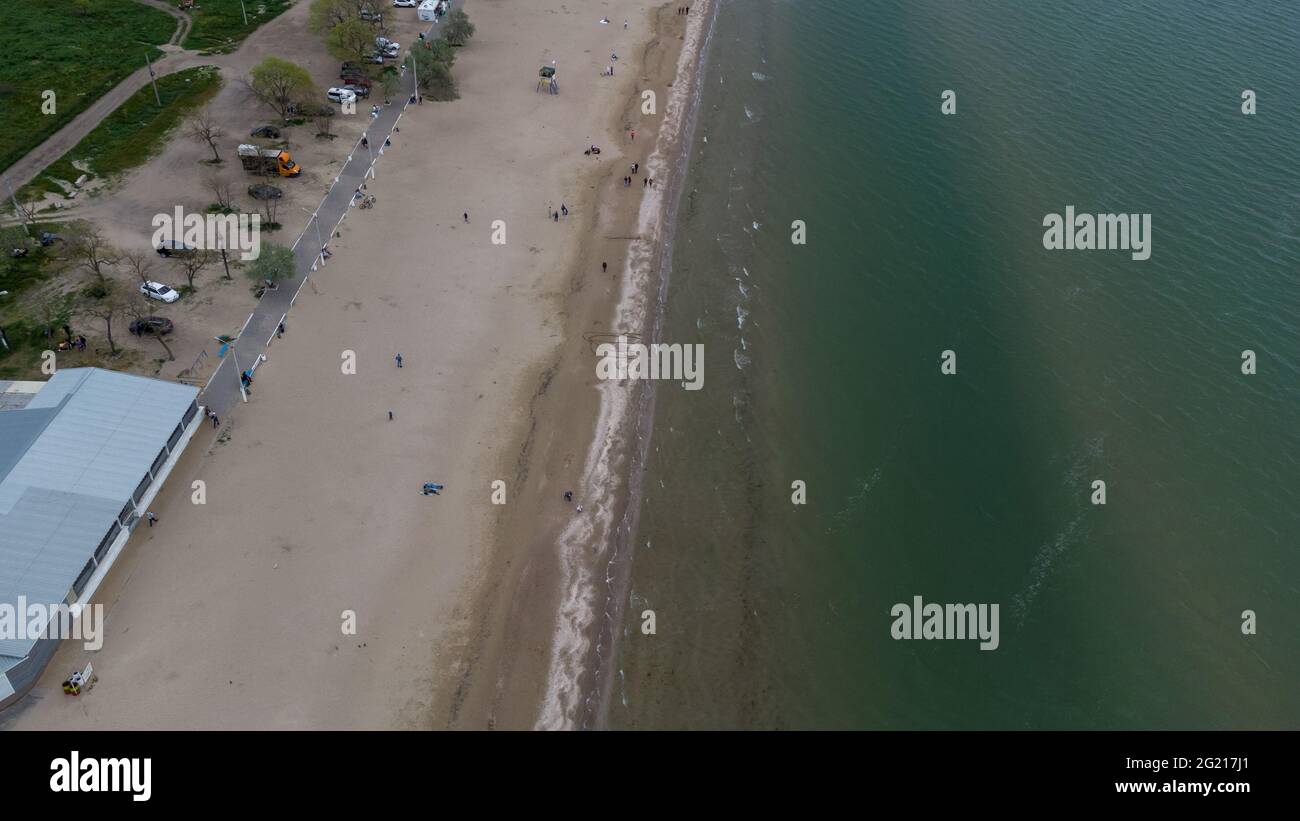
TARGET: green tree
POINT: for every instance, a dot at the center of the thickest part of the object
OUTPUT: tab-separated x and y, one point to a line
392	84
273	265
351	40
280	84
433	63
458	29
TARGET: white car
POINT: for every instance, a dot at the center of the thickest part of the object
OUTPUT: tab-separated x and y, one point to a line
384	44
341	95
158	291
405	4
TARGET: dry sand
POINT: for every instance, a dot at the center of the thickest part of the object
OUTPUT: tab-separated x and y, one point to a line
229	614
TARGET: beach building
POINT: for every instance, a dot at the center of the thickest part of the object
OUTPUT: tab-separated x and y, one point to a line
81	458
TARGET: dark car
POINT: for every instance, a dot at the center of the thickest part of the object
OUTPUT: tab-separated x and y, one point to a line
264	192
359	90
152	326
266	131
174	248
48	239
350	66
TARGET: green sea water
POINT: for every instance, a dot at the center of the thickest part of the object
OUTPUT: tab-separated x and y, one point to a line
924	234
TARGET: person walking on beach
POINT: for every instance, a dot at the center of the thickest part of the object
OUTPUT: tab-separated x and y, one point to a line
279	332
398	358
604	267
216	421
632	134
151	518
645	183
466	216
390	416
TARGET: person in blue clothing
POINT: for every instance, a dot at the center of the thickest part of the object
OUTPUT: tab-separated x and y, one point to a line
431	488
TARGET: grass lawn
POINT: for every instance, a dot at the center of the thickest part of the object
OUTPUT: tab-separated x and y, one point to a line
50	45
135	130
219	24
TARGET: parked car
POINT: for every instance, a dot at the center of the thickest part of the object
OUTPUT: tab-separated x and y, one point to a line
174	248
48	239
356	78
158	291
405	4
341	95
377	57
262	191
361	91
348	65
266	131
370	16
151	326
385	44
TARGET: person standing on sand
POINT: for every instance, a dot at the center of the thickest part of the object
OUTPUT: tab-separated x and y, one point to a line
466	216
152	518
398	359
604	267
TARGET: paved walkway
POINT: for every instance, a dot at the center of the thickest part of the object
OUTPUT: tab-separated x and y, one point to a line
222	391
65	139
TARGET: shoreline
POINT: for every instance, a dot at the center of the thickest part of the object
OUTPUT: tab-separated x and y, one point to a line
639	415
534	614
579	676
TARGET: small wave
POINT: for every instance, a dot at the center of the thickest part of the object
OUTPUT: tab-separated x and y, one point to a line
741	360
756	225
741	315
744	292
758	75
749	114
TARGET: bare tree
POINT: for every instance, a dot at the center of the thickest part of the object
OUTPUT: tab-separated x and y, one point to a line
139	265
225	260
139	308
222	188
202	127
108	308
270	202
324	119
56	311
193	263
93	253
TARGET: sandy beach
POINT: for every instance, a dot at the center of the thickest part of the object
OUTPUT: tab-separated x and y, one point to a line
229	613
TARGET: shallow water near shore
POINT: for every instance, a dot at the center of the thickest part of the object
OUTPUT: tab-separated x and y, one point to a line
925	235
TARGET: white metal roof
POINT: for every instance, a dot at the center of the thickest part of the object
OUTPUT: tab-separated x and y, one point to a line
69	462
